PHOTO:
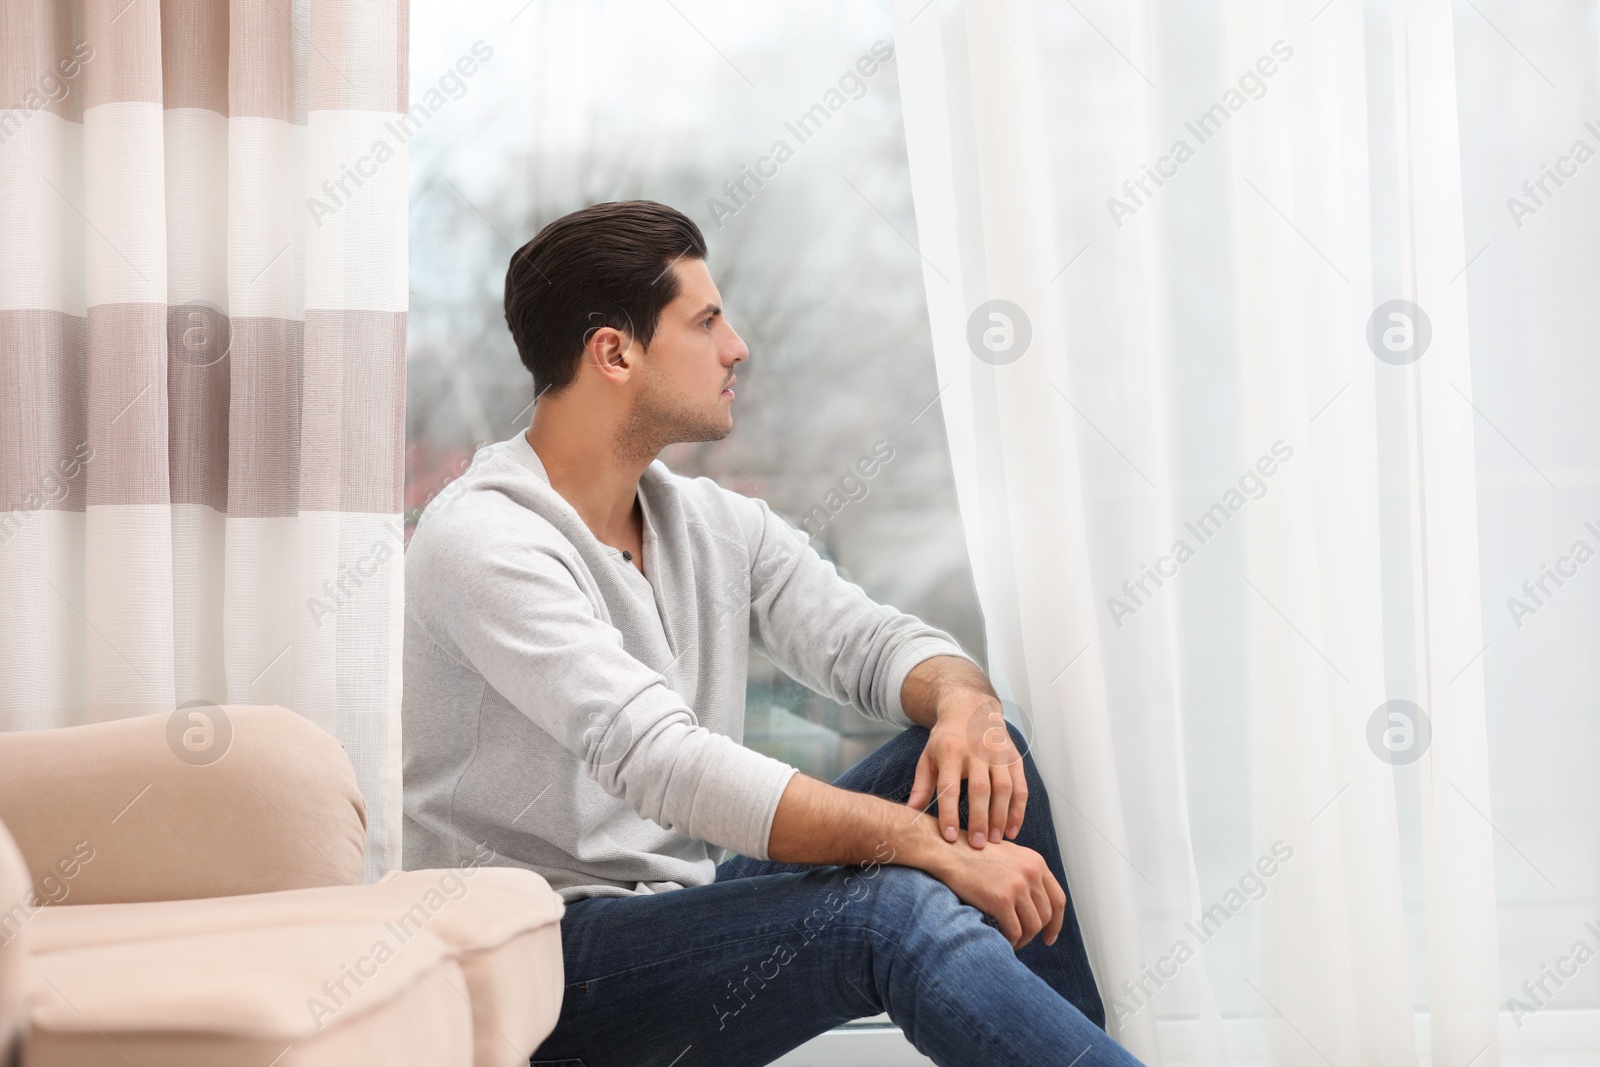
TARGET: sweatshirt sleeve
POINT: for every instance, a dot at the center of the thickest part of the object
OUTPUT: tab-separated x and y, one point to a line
508	607
825	631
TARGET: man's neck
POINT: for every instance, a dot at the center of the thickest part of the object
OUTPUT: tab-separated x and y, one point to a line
601	486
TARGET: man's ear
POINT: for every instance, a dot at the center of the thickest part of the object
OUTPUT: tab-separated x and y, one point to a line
612	351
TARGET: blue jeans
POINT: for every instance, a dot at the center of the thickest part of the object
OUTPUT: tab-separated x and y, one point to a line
740	971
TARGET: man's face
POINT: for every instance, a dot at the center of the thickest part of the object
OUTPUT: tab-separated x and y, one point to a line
683	391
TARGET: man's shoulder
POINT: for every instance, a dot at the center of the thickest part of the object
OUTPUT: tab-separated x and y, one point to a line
711	504
495	502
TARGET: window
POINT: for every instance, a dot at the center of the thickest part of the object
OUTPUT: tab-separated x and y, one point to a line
761	127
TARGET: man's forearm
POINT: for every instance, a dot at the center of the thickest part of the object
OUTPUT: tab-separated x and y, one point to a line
935	676
820	823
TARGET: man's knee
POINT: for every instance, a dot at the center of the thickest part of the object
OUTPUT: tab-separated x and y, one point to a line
908	886
1019	739
875	894
903	899
887	771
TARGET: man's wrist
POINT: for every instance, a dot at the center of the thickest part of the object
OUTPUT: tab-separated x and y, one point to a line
917	844
940	682
960	700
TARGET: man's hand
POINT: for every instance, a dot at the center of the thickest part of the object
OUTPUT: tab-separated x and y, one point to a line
969	740
820	823
1010	882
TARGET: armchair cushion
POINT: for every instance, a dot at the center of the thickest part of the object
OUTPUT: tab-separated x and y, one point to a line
298	996
503	921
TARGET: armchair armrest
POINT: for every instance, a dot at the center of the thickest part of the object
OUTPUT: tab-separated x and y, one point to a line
14	915
199	802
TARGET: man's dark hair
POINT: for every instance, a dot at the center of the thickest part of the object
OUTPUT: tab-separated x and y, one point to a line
606	265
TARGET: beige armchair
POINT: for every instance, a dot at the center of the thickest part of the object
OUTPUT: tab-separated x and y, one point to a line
195	901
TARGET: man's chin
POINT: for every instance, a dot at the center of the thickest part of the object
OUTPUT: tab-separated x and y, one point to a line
700	433
719	432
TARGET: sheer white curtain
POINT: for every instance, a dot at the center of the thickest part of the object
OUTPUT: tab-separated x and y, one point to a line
1214	336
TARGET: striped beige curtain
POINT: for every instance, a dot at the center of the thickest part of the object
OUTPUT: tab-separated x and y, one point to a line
202	365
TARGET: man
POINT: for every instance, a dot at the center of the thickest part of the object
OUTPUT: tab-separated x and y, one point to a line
577	625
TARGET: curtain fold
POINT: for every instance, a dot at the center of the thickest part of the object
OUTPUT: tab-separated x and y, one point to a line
203	293
1334	972
1155	239
1458	836
986	192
